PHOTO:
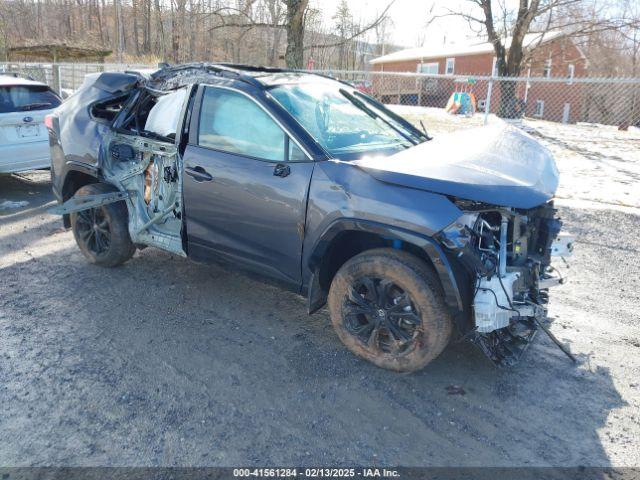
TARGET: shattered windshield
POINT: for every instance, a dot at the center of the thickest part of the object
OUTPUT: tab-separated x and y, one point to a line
340	121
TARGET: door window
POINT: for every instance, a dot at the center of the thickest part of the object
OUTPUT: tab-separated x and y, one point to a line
232	122
295	153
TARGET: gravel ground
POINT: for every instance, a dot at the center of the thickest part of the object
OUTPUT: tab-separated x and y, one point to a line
166	362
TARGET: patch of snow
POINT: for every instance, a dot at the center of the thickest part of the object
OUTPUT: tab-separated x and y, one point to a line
8	204
597	163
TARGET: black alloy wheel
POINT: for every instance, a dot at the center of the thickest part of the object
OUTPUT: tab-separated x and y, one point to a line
387	306
102	233
381	315
94	231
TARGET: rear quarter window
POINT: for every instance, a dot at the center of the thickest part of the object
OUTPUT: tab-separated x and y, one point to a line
107	110
24	98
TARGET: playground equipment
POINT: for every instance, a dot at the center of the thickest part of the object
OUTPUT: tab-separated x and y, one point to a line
462	101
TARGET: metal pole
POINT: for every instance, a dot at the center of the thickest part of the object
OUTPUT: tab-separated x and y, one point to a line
504	224
57	79
487	103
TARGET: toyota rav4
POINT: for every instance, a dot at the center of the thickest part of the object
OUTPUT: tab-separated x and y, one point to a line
308	182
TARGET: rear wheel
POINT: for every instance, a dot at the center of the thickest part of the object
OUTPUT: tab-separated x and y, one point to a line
102	233
387	307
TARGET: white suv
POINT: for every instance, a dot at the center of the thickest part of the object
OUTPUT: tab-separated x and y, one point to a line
24	142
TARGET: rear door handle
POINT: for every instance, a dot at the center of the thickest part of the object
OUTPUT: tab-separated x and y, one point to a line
281	170
198	173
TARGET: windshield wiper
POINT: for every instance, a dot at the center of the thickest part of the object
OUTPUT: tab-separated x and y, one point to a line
395	118
385	144
373	114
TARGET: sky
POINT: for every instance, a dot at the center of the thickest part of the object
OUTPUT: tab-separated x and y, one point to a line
410	18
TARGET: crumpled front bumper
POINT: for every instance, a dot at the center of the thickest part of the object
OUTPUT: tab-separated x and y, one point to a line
507	254
505	346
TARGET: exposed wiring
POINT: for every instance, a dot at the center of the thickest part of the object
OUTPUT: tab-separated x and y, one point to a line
508	299
511	309
554	269
478	288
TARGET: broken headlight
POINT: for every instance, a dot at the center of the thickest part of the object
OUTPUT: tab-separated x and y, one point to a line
460	232
462	239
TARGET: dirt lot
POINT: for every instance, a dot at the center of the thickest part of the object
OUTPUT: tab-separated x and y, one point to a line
167	362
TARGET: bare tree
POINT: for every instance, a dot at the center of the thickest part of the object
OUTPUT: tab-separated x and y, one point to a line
249	31
500	23
295	26
382	32
275	9
294	56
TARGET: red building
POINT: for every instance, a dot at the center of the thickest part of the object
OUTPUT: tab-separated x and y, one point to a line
549	55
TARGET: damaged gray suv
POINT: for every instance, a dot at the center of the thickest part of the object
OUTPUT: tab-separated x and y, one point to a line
306	182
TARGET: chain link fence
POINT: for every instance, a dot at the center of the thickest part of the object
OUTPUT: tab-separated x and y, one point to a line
66	77
608	101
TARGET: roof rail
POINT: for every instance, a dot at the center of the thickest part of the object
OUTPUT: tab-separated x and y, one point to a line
258	68
218	69
230	70
253	68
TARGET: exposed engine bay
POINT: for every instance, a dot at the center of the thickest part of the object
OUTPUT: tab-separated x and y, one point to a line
508	252
482	216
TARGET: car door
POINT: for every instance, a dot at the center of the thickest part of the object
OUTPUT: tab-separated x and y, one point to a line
245	186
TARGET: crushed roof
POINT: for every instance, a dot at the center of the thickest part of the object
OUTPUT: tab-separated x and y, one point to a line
456	50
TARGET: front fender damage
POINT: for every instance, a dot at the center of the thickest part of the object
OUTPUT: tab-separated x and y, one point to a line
508	254
448	274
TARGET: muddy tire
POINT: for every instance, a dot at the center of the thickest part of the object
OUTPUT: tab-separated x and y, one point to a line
387	307
102	233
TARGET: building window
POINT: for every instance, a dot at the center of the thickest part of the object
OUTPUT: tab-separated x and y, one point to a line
539	108
547	69
571	72
431	68
450	67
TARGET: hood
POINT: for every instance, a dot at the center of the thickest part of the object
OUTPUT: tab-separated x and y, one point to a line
498	164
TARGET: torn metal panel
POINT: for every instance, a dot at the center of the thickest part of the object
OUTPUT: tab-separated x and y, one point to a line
77	204
148	171
172	78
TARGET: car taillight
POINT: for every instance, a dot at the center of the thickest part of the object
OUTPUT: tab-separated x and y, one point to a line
48	121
